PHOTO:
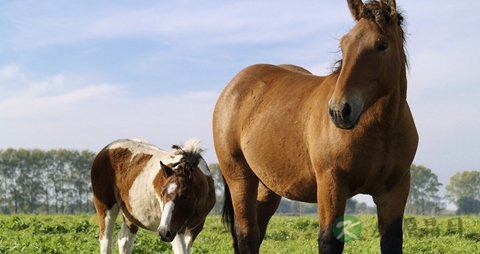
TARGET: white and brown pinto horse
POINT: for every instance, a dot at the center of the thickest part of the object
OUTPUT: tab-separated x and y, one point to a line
280	131
169	192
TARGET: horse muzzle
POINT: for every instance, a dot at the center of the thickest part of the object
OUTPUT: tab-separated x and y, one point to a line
165	234
344	115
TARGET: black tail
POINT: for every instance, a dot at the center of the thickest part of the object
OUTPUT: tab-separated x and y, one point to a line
228	216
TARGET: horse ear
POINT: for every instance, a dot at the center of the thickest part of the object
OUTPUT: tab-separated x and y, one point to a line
392	4
167	171
356	8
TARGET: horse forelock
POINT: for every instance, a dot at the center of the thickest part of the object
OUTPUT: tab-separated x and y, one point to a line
191	152
193	146
381	13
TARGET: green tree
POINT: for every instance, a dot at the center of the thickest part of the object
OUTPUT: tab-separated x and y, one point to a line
351	206
464	190
468	205
424	188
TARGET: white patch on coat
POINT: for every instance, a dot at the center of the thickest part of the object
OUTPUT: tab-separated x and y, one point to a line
106	239
188	241
125	240
145	206
167	213
172	188
178	244
202	165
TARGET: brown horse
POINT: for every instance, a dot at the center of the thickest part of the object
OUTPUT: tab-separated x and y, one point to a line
170	192
280	131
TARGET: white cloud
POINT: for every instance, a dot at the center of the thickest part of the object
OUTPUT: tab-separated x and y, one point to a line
9	72
33	104
46	97
60	111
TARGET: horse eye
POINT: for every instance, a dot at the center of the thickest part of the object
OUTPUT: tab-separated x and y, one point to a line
382	46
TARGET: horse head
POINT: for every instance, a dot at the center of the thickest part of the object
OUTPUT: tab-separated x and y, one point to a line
373	61
177	195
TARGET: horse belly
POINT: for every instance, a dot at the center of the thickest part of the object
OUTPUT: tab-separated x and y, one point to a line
300	189
281	163
286	180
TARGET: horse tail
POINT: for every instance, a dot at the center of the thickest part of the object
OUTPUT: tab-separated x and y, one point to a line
228	216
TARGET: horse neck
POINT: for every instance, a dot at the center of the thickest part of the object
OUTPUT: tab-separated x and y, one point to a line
389	109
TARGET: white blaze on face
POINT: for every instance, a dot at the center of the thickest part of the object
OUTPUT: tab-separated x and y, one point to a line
167	213
172	188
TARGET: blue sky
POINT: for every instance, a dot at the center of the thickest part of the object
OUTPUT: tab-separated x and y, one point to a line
79	74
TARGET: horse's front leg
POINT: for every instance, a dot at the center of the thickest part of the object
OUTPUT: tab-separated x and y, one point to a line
331	198
191	235
178	244
390	208
126	237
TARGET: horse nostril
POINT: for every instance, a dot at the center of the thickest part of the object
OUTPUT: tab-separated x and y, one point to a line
346	111
332	113
167	235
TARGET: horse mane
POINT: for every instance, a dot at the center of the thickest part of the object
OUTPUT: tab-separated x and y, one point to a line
191	151
381	15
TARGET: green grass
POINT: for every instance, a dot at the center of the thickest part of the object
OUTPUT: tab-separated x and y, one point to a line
78	234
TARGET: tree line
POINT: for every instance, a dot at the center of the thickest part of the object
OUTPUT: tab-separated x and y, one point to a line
58	181
39	181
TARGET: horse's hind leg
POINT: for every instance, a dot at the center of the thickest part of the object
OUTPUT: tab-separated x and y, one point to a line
106	219
267	204
126	237
243	185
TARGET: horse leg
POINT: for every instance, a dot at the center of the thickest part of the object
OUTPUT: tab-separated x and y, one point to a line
331	199
244	200
178	244
390	208
267	204
241	186
126	237
191	235
106	220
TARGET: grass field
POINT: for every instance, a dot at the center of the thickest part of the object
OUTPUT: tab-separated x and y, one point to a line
286	234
